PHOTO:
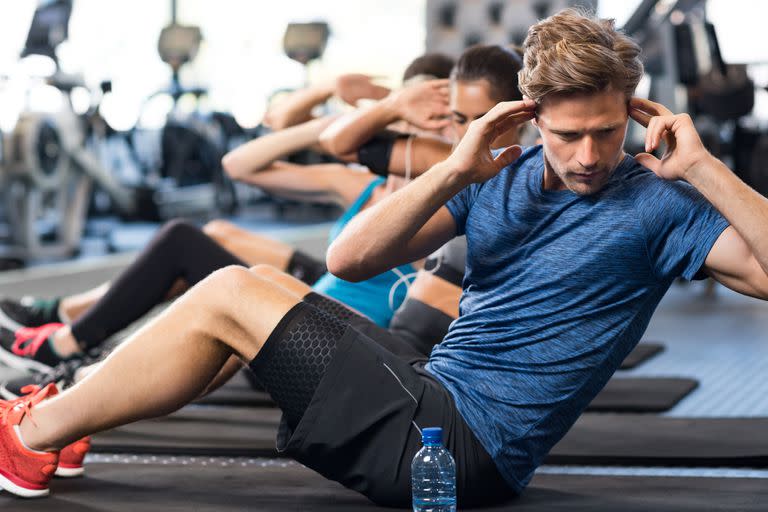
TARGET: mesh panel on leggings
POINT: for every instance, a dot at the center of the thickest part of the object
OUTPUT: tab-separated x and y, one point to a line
330	306
298	360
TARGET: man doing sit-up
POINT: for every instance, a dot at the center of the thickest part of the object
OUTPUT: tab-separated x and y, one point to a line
571	246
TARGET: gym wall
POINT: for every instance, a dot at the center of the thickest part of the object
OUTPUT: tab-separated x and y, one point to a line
453	25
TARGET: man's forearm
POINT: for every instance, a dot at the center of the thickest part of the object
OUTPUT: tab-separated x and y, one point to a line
743	207
381	237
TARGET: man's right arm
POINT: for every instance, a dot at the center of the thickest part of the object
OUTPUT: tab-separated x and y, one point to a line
406	226
413	222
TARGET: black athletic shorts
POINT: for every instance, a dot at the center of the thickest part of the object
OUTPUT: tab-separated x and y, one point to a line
360	427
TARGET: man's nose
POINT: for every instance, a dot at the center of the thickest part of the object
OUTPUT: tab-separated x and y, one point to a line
588	154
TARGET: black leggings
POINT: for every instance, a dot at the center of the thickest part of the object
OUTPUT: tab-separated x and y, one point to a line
178	250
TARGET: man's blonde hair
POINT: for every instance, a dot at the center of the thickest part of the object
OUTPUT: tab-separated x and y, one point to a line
571	53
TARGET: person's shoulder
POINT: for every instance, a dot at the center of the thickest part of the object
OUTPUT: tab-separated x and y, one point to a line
531	155
641	180
631	171
651	192
531	158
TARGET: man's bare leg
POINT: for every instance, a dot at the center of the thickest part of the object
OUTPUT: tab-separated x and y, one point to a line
233	311
289	283
298	289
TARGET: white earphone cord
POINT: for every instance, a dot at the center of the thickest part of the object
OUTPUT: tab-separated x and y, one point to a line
405	278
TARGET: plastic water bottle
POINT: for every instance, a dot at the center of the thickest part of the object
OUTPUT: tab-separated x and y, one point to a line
433	475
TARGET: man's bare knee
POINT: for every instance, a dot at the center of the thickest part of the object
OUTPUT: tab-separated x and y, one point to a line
286	281
265	271
227	281
238	308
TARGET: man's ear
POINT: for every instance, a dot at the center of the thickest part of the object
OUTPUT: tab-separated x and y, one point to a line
535	122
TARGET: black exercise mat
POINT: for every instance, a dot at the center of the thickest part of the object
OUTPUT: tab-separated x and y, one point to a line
636	439
197	430
641	353
238	393
636	394
138	487
250	431
641	394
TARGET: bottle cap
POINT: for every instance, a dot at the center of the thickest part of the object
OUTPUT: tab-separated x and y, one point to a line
433	435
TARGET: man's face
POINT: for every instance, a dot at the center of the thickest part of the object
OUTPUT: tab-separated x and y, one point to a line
583	137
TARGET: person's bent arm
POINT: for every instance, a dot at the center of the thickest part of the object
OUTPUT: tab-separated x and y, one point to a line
331	183
413	222
416	157
297	107
732	263
404	227
255	155
424	105
739	257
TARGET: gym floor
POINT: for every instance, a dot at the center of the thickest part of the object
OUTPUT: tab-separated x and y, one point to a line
714	336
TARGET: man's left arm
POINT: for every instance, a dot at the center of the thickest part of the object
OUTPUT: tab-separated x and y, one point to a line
732	263
739	257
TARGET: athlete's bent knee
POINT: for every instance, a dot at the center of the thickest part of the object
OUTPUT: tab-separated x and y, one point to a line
264	270
218	229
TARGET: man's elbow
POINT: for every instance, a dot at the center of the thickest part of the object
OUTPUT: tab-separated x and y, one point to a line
342	264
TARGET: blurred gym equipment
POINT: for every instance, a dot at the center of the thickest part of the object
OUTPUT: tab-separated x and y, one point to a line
305	42
687	73
46	172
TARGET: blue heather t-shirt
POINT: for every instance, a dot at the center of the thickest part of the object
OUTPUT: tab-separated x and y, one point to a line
558	290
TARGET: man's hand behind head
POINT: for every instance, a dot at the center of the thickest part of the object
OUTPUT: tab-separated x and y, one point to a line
472	158
684	150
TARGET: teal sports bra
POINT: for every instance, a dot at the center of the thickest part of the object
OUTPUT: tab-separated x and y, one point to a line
370	297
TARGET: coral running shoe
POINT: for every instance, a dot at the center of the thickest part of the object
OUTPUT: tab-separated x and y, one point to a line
24	472
71	456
